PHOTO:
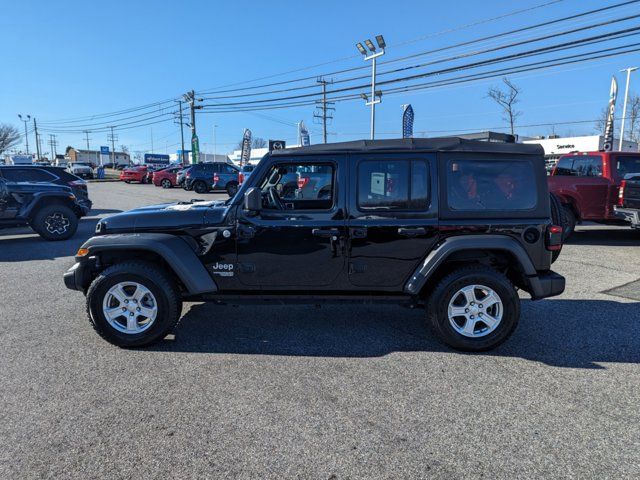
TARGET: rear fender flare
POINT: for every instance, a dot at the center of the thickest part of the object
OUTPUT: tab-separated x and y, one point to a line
449	246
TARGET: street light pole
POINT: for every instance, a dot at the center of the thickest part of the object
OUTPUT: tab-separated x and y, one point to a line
214	142
26	137
624	108
376	97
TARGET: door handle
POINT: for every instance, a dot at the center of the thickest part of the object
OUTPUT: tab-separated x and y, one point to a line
325	232
411	232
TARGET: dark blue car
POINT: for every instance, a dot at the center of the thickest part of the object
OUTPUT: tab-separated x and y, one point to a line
204	177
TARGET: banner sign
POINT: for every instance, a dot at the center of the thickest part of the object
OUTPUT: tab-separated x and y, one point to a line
277	145
156	159
245	155
195	149
607	144
305	141
407	121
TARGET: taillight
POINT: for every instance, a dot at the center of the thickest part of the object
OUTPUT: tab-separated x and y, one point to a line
240	177
623	185
302	182
188	175
216	178
554	237
78	183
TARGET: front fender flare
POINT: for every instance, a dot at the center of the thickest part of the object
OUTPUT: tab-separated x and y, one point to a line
472	242
174	250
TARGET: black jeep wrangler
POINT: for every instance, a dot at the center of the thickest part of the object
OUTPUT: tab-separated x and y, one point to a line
38	199
452	225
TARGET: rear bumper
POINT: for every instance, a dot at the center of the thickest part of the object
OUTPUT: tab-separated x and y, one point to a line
630	215
546	285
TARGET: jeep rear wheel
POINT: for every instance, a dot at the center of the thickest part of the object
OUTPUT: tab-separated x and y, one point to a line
474	309
133	304
55	222
200	187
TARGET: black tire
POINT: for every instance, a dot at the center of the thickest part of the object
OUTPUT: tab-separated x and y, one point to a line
570	222
558	218
166	183
438	304
127	181
232	188
55	222
200	187
163	288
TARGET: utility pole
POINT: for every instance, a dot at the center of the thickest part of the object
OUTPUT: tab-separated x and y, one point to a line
26	136
624	108
35	128
53	144
324	107
181	131
86	136
112	138
376	96
190	97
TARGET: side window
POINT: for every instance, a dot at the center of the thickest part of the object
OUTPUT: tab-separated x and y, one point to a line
27	175
565	166
393	185
229	169
504	185
308	186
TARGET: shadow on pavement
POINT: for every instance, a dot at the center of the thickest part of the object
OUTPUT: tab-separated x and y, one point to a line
613	237
30	246
562	333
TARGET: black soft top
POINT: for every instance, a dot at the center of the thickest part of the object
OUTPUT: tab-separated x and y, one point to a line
442	144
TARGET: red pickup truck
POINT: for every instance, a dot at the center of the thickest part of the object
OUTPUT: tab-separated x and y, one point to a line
588	185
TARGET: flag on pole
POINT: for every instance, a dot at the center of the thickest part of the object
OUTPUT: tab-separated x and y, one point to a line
305	141
245	155
607	144
407	121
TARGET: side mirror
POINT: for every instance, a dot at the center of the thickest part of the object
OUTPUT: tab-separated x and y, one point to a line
253	200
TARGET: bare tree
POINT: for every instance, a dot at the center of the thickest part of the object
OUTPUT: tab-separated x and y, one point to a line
507	99
9	136
258	142
633	114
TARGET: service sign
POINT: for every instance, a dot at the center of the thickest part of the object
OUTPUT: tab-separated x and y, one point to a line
156	159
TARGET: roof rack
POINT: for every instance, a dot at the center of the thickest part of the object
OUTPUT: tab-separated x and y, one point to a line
489	137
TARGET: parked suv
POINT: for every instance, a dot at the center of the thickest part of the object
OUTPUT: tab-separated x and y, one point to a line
50	208
204	177
588	185
451	225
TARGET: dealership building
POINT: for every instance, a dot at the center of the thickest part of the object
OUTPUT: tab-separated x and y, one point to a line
555	146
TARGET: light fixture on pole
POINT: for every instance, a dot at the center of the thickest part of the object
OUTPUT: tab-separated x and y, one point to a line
25	120
624	108
376	96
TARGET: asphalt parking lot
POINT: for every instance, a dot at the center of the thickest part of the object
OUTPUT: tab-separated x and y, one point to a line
335	392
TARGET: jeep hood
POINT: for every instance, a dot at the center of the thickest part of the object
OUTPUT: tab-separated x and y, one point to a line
164	217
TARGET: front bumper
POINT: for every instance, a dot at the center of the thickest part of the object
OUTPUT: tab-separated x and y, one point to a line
74	278
546	285
630	215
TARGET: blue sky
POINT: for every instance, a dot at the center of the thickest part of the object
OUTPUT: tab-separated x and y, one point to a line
73	59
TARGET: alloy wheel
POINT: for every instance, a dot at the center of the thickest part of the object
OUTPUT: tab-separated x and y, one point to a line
57	223
130	307
475	311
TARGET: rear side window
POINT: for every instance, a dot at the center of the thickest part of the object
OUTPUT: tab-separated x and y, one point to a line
28	175
393	185
476	185
580	166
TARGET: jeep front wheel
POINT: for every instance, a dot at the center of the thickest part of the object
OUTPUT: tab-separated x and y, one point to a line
474	309
55	222
133	304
